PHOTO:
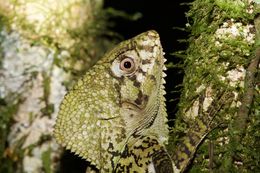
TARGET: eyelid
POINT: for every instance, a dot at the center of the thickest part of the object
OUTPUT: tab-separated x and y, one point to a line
121	55
131	46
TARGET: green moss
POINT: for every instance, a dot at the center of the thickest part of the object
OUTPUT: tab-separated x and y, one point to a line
3	23
8	107
205	9
49	107
46	160
211	54
234	9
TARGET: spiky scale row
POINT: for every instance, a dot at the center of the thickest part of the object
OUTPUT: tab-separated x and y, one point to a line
117	107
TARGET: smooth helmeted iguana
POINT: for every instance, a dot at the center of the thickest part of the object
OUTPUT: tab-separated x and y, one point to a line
115	116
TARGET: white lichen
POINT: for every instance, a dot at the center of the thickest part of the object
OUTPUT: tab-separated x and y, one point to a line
57	89
20	61
208	99
23	71
193	112
32	164
236	76
234	30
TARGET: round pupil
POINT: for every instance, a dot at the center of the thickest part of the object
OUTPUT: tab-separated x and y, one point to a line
127	64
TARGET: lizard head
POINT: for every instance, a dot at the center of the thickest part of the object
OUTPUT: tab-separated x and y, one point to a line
120	97
139	70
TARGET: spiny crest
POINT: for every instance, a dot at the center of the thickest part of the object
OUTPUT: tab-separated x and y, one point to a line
120	98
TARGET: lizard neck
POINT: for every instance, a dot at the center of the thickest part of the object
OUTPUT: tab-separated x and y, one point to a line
145	155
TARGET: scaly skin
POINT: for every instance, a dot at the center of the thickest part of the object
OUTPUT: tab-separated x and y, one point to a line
115	115
199	127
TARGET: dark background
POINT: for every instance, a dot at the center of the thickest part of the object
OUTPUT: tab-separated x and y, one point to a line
161	16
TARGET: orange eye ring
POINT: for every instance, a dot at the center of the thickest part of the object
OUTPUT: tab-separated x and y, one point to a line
127	65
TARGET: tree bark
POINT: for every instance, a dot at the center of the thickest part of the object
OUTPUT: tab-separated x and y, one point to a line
213	130
44	45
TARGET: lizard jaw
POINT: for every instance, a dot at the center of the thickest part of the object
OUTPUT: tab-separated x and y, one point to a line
132	106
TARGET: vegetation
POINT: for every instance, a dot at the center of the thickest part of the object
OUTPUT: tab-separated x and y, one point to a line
222	59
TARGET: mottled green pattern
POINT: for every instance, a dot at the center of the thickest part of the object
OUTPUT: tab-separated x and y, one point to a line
117	105
145	151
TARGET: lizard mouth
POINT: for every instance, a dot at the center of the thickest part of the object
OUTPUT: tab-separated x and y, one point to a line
131	106
127	105
151	110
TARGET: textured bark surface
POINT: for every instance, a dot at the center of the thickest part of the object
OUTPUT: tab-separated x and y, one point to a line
217	126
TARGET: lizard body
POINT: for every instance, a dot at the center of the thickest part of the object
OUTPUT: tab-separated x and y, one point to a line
115	116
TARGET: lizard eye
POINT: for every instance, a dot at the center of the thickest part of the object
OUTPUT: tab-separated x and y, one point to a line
127	65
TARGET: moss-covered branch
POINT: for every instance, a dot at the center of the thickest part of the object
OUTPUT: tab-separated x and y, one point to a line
240	123
221	46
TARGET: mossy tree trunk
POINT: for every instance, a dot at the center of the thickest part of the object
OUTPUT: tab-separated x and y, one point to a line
218	123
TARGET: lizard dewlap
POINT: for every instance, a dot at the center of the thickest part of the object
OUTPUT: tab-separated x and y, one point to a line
115	116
